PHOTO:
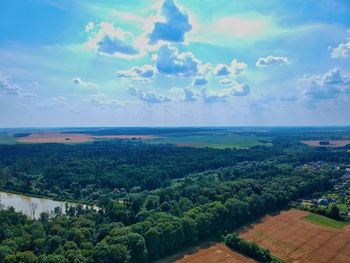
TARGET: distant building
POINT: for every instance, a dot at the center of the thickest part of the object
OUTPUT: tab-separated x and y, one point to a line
322	201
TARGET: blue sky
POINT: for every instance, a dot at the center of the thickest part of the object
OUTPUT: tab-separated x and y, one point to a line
174	63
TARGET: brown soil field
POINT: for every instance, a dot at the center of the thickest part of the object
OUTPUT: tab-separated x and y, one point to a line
332	143
74	138
217	253
292	239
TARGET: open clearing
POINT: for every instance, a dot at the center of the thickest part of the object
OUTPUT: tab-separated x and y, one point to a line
217	253
293	239
74	138
332	143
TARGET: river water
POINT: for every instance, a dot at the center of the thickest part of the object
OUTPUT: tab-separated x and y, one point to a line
31	206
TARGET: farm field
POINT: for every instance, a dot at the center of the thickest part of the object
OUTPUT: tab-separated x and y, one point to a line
325	221
217	253
293	239
73	138
181	138
218	141
332	143
7	139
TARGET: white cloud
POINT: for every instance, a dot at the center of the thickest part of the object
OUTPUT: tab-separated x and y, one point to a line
189	95
80	82
210	96
330	85
204	68
234	68
240	89
53	102
35	84
222	95
173	26
8	87
172	62
90	26
140	74
272	61
29	95
102	100
113	41
221	70
342	50
226	82
150	97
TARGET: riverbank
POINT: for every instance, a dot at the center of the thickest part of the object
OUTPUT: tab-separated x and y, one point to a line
34	206
53	198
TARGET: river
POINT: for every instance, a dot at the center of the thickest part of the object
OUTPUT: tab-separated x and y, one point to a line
31	206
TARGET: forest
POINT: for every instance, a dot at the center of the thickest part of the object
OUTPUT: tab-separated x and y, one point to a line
154	200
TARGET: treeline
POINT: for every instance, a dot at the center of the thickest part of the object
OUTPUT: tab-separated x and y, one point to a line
331	212
88	171
248	248
92	172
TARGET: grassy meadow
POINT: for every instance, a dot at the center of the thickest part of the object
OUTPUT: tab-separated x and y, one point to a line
325	221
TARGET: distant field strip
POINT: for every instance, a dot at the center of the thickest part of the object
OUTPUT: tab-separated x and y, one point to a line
75	138
332	143
219	141
291	238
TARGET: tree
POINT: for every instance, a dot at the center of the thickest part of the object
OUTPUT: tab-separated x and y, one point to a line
5	251
104	253
334	212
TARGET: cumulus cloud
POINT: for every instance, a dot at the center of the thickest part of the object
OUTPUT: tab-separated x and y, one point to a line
210	96
234	68
189	95
174	27
150	97
8	87
222	95
80	82
321	87
342	50
58	101
240	89
90	26
226	82
172	62
199	81
272	61
102	100
141	74
113	41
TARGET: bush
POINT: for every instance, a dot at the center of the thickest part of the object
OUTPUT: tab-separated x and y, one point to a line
247	248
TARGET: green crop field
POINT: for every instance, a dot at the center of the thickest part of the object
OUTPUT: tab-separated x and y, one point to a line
218	141
7	139
325	221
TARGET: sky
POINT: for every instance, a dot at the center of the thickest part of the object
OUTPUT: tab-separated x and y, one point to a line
174	63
